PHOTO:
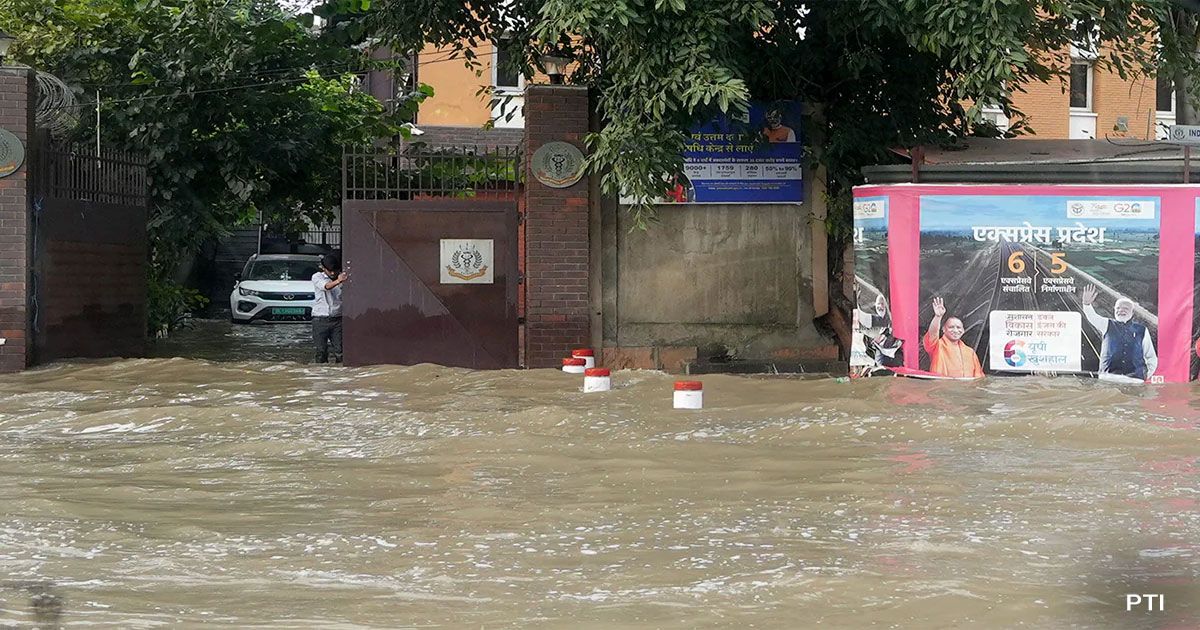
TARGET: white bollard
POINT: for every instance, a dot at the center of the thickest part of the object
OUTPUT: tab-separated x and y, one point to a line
689	395
597	380
587	355
574	366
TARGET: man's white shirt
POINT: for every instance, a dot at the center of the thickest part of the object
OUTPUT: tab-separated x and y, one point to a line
328	301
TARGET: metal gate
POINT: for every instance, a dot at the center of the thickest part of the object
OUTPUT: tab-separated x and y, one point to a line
430	239
89	253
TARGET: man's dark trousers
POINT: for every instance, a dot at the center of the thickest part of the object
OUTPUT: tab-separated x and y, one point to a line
327	337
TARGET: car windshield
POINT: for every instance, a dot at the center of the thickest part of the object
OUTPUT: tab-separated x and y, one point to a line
281	270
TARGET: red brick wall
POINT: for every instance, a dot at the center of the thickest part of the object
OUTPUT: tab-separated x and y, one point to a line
17	91
556	233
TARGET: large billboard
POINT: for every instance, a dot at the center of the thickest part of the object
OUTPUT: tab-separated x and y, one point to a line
992	280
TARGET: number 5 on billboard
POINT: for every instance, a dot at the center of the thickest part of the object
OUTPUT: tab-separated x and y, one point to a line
1057	264
1015	263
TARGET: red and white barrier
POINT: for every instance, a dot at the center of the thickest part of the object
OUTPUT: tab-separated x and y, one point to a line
574	366
689	395
586	354
597	380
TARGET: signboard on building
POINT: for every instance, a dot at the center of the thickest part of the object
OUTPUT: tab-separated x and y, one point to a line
467	261
758	159
1184	134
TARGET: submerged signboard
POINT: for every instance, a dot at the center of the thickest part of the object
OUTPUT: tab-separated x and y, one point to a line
1030	279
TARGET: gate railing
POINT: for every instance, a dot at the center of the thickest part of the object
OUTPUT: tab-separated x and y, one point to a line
113	177
424	173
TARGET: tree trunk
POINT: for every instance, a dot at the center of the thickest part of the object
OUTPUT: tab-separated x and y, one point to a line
1185	110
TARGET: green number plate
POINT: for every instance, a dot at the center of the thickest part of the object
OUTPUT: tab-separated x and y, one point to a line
287	311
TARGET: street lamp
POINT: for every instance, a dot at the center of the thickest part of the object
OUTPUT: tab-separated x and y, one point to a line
6	40
556	67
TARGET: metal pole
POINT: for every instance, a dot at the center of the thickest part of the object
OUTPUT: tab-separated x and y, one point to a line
1187	164
97	124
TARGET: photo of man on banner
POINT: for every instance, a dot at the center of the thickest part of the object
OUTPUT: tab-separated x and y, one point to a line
1127	349
876	337
948	355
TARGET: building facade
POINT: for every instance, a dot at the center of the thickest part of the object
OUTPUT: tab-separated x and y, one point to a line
1091	102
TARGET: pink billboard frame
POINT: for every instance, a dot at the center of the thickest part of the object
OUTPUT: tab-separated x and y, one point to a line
1176	267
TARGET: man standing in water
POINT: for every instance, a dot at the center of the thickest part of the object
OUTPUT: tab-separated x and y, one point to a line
327	310
1126	349
948	355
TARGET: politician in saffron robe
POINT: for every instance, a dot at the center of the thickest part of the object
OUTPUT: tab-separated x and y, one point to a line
948	355
1127	348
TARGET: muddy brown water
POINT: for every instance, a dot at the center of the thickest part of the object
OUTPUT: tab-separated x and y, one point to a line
183	492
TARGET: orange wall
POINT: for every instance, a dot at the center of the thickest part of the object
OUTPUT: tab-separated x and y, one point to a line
1047	106
456	100
1134	99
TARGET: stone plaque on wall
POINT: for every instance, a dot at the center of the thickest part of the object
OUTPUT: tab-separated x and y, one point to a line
12	153
558	164
467	261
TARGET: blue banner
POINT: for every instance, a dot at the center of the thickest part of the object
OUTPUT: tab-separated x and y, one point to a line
754	161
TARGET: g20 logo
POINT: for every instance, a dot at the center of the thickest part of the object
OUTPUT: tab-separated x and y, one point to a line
1014	353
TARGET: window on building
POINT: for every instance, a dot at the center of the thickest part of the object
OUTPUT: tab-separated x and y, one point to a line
1081	85
1164	97
504	72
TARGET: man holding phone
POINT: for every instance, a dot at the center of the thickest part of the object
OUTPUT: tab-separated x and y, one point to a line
327	310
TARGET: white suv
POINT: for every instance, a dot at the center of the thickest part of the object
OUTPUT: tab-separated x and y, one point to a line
274	288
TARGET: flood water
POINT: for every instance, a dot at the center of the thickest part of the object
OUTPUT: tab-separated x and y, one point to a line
181	492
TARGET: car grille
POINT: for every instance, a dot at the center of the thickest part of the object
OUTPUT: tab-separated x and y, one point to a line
286	297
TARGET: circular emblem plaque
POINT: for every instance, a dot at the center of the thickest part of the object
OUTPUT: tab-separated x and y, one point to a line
12	153
558	164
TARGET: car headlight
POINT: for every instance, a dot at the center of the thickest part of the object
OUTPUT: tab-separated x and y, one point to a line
247	291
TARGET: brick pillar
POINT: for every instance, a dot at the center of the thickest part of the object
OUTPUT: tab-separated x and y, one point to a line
556	232
18	102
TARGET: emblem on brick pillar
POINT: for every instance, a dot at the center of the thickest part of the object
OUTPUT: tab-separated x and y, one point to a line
558	164
12	153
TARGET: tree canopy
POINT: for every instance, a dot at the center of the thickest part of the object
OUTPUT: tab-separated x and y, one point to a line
240	107
875	73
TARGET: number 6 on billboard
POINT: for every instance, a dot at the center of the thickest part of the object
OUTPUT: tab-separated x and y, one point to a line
1015	263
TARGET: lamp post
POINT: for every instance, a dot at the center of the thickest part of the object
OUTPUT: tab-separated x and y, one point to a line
6	40
556	67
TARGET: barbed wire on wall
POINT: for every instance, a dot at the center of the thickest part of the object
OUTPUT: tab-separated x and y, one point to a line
56	107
